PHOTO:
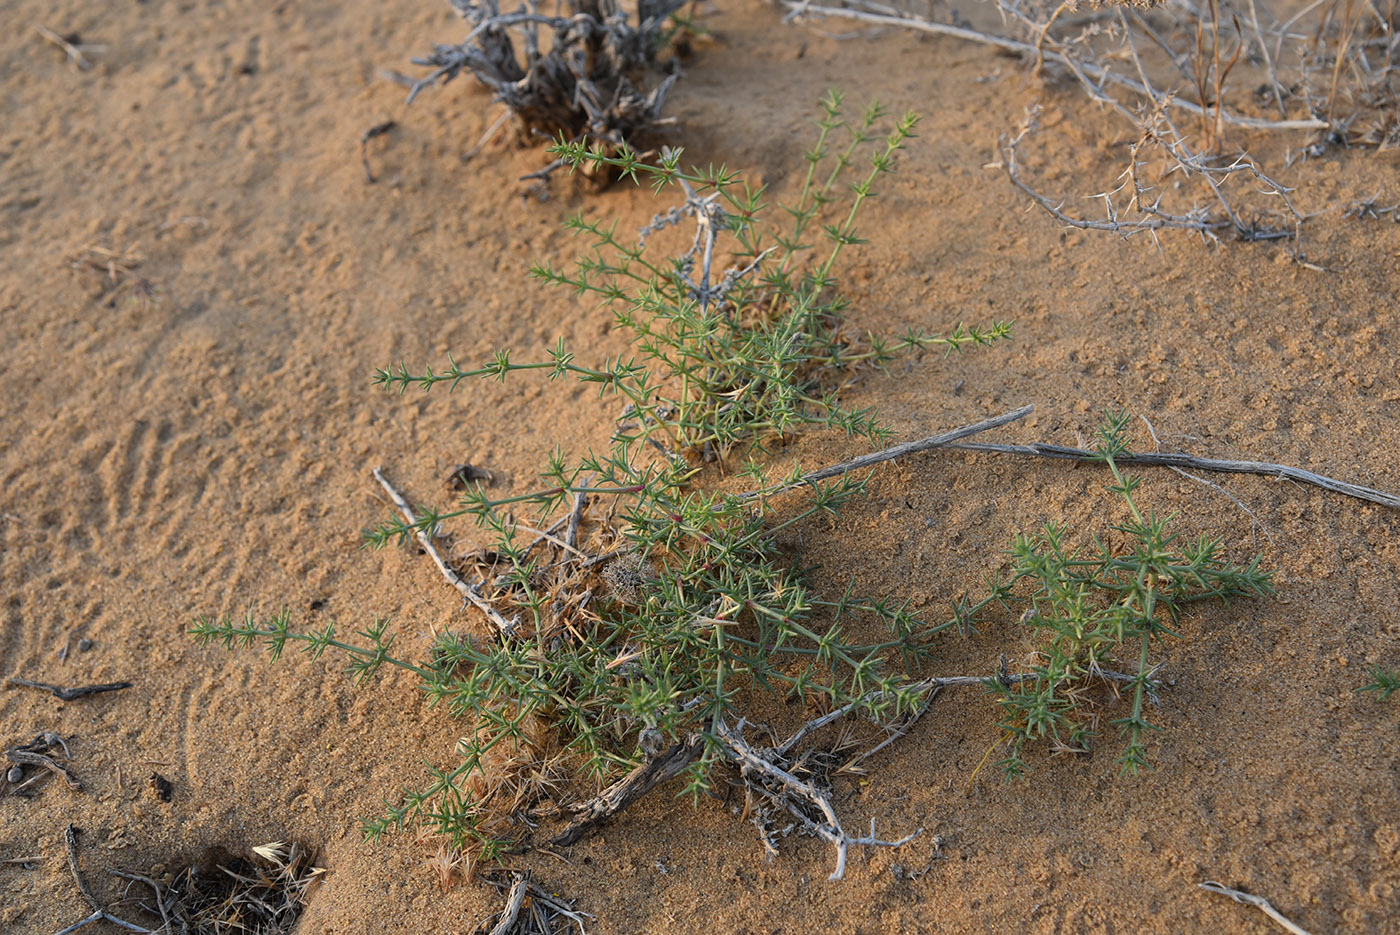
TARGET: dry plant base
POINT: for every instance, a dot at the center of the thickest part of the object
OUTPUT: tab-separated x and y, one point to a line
530	910
262	895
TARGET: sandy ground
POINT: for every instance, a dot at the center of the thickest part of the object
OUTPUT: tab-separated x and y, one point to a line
199	439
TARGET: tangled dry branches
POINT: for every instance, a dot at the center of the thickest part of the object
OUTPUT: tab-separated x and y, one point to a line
587	72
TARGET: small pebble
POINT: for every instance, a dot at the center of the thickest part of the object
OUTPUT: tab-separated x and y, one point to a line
84	645
15	774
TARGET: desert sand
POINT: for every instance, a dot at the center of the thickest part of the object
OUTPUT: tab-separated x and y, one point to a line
194	433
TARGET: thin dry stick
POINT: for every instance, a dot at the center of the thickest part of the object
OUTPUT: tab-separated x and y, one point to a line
486	137
1253	519
554	527
503	626
1207	482
514	900
562	908
1170	459
930	687
74	52
905	449
576	517
69	694
98	912
1268	59
166	927
1082	70
521	527
379	129
22	757
900	730
1258	902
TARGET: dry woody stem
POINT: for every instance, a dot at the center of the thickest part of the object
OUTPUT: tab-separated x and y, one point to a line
70	694
1257	902
1182	461
471	592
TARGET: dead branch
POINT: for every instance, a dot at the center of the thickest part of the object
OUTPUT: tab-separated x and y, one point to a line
589	76
1083	71
33	754
514	900
576	517
70	694
764	775
471	592
98	912
1177	460
1156	131
896	451
167	927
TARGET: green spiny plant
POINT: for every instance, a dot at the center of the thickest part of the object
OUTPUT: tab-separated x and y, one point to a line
1384	682
1089	608
701	608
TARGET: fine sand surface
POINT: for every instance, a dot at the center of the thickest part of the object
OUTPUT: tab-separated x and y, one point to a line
199	440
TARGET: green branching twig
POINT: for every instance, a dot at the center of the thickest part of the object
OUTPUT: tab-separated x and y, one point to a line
1088	606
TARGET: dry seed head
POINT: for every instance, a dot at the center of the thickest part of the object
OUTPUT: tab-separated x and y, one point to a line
629	576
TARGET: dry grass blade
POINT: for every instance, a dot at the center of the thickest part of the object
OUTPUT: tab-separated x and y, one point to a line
261	896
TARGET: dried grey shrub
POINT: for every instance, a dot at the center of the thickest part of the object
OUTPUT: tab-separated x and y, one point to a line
587	70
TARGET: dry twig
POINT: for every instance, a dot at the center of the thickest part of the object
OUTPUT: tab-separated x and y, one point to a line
69	694
764	775
73	49
1257	902
514	900
1158	132
650	774
1175	460
32	754
379	129
893	452
98	912
1091	75
471	592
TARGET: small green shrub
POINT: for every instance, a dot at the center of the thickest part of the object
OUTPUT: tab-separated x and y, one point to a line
691	606
659	620
1087	607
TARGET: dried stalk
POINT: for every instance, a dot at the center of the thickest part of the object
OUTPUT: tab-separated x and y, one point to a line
1257	902
472	592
